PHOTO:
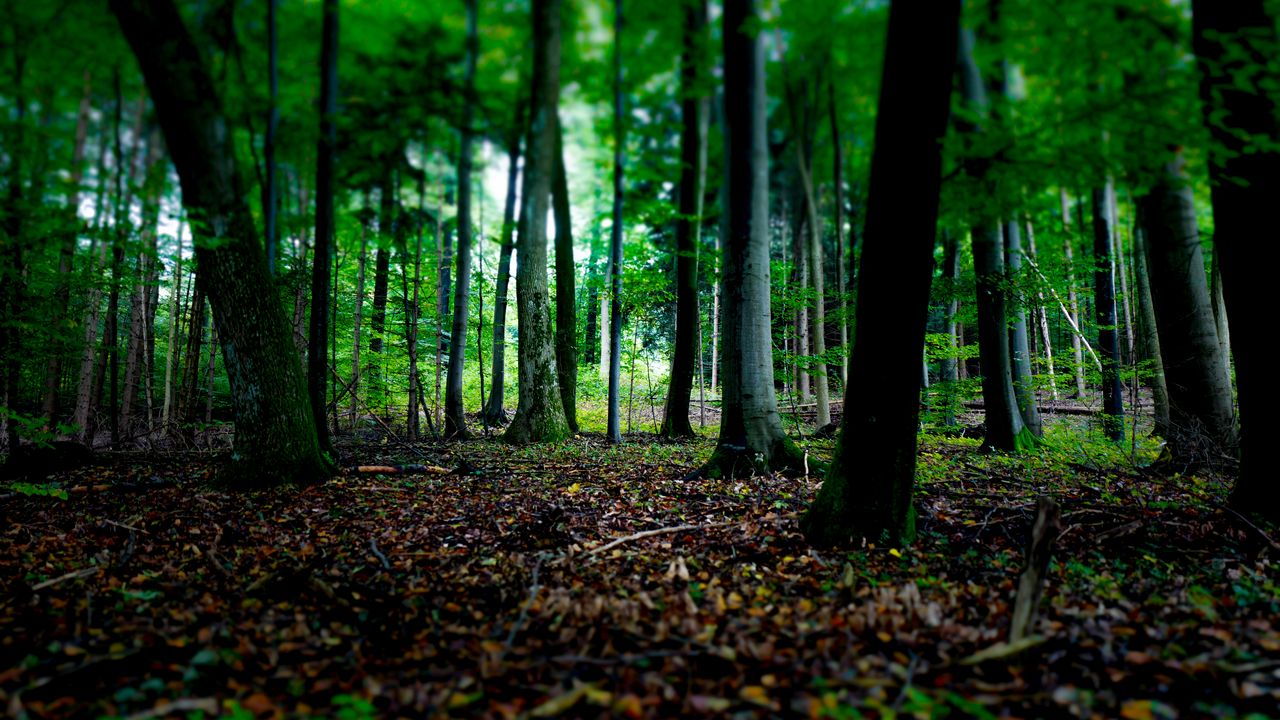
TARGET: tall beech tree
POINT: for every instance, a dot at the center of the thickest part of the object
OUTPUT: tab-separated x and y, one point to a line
566	295
494	414
751	436
1104	304
276	437
322	262
868	489
1235	44
1201	415
614	429
693	168
1006	429
540	413
455	423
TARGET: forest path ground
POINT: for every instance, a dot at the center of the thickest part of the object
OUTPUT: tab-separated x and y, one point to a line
426	595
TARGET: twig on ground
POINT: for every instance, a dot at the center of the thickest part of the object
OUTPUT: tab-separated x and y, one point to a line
82	572
373	545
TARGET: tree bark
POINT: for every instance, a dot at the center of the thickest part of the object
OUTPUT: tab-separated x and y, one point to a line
1006	429
815	266
1104	303
494	414
614	430
1023	384
540	413
275	435
693	165
1202	421
1073	300
751	436
837	168
868	489
566	293
322	260
455	420
1149	337
270	201
1041	318
377	387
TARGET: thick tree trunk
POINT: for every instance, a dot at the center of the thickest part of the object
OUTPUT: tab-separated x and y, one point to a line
540	413
868	489
566	293
322	262
1149	337
1202	421
275	435
614	429
693	165
455	420
1104	303
751	436
1232	41
494	414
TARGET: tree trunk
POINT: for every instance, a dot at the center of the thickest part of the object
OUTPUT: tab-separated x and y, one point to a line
377	387
950	370
270	202
1023	384
1234	40
540	413
800	283
322	260
1149	345
1042	319
566	293
494	414
1073	301
1202	422
868	489
751	437
455	420
837	168
815	264
170	355
357	318
275	434
1220	313
1005	428
693	166
1104	303
614	430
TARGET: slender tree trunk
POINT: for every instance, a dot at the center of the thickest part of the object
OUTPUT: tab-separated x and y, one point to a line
494	414
604	316
837	168
800	281
614	431
1041	317
1220	313
1023	384
377	387
1202	422
950	370
1121	270
270	204
715	315
455	420
868	489
566	294
1073	300
751	436
693	166
1148	335
322	264
1104	302
540	413
275	433
1232	41
357	319
170	355
815	264
1005	427
591	357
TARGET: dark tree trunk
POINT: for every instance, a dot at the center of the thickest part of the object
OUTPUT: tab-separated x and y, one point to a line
270	205
1023	383
540	413
275	433
1149	336
566	294
381	271
1234	40
455	421
693	164
751	436
1005	427
868	489
494	414
614	430
1201	416
322	260
1104	303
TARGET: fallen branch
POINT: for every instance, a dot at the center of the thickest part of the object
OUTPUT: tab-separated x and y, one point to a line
373	545
396	470
1274	545
1070	320
659	531
82	572
181	705
1044	532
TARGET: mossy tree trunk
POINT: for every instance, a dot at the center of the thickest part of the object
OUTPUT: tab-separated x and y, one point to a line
868	488
540	413
276	437
751	436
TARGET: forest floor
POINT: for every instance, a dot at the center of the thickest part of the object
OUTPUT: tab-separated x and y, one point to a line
146	592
